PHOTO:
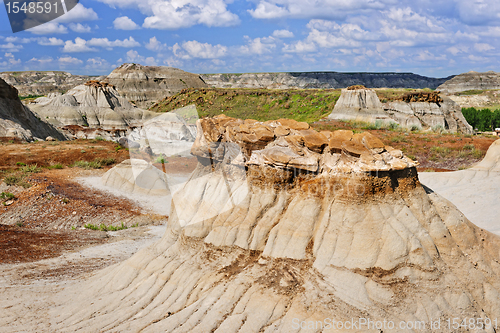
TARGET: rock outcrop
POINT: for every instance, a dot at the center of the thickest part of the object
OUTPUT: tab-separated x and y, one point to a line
17	121
474	191
145	85
138	177
44	83
428	110
471	81
94	104
359	103
321	80
294	227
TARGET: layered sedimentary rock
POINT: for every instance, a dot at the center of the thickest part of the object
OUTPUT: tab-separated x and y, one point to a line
429	110
281	225
17	121
471	81
44	83
145	85
359	103
94	104
321	80
475	191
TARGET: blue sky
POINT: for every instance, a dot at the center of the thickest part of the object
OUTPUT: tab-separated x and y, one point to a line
433	38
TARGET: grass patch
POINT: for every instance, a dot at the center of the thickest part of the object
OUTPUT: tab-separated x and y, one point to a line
7	196
398	139
103	227
95	164
32	168
55	166
259	104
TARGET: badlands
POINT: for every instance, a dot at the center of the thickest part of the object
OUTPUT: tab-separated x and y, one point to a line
280	226
237	225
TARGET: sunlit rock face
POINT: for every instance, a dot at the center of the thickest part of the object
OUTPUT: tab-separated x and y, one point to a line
421	110
145	85
281	224
17	120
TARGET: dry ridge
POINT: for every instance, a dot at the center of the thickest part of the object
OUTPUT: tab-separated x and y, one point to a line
280	224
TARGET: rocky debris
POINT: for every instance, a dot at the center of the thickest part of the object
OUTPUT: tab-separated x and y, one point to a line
356	87
50	139
321	80
125	143
287	246
420	109
288	144
421	96
474	191
94	104
17	120
471	81
87	133
137	176
145	85
43	83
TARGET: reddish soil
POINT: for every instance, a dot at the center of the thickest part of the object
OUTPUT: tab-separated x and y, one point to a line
19	245
45	154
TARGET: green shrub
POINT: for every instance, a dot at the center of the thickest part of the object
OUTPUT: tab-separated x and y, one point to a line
7	196
103	227
55	166
32	168
469	147
20	164
393	126
95	164
161	159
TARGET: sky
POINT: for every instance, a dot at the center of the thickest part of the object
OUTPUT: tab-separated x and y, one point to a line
431	38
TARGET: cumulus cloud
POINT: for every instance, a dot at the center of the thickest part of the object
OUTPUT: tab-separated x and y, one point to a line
124	23
196	49
170	14
258	45
49	28
78	14
80	28
79	45
10	47
135	57
155	45
69	61
483	47
106	43
283	34
52	41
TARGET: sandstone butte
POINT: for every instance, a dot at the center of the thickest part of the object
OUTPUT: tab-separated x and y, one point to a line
312	226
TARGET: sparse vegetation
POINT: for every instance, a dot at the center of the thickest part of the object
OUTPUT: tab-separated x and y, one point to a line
33	168
7	196
95	164
103	227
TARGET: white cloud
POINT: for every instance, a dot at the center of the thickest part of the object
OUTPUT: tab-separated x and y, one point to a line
196	49
458	49
52	41
41	61
106	43
69	61
258	45
78	14
134	57
283	34
80	45
483	47
174	14
155	45
125	23
80	28
11	47
49	28
11	59
299	47
18	40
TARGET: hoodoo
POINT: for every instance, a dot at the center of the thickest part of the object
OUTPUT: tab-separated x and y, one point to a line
281	226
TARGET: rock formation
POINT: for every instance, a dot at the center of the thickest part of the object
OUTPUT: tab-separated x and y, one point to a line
474	191
43	83
137	176
17	121
471	81
311	230
94	104
321	80
413	109
359	103
145	85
